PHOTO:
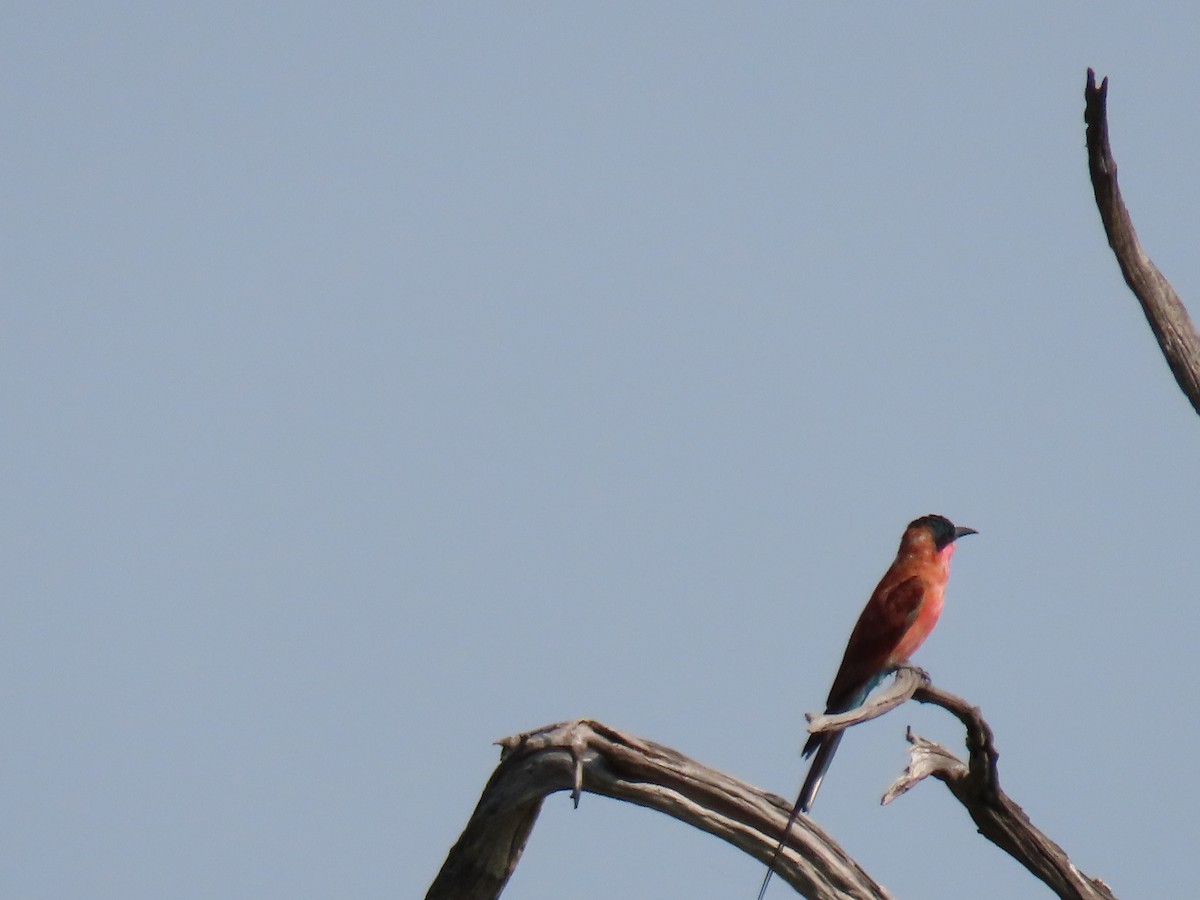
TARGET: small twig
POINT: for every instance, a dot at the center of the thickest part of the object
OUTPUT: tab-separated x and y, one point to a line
925	759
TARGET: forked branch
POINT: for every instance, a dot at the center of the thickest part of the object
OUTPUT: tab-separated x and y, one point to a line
587	756
976	786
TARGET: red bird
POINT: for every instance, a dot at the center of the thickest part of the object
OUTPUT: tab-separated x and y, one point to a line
895	622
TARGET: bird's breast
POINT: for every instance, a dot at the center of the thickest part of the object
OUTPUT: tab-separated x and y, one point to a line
921	627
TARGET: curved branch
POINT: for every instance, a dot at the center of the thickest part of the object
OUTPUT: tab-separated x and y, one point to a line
907	681
976	785
1169	320
585	755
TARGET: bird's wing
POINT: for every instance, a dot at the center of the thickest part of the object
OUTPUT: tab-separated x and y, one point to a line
885	620
900	604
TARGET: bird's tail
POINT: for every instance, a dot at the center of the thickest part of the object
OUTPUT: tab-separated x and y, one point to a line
820	765
825	745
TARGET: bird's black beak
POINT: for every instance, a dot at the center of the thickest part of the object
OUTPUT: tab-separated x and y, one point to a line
963	531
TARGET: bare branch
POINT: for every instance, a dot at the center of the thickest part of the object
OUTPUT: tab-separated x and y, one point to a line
590	756
909	679
976	786
584	755
925	758
1176	335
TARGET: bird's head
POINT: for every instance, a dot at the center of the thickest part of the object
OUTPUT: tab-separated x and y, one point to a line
942	530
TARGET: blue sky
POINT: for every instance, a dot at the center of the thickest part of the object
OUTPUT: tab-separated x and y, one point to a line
380	381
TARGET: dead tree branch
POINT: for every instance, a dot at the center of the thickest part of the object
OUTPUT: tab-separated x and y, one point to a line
585	755
976	786
907	681
1169	320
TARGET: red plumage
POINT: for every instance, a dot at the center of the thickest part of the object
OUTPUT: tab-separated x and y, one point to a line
900	615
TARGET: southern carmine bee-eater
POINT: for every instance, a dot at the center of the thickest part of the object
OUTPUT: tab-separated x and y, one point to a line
895	622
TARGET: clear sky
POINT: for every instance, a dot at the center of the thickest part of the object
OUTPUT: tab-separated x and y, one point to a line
380	380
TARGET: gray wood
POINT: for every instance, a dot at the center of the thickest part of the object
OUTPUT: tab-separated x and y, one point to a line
585	756
1168	318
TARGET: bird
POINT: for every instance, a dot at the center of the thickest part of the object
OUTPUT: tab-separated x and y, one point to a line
896	620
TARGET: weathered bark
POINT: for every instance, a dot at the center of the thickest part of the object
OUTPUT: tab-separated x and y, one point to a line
587	756
976	786
1169	320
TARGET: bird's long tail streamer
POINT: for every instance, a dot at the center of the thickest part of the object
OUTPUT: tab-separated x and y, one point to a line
808	793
